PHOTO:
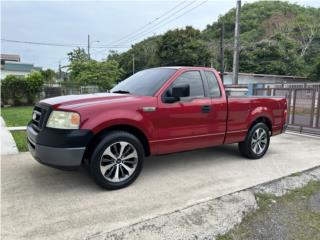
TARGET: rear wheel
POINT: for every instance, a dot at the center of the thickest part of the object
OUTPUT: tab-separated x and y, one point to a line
256	143
117	160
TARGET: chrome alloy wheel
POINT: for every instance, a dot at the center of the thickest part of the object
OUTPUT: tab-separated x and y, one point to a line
118	162
259	141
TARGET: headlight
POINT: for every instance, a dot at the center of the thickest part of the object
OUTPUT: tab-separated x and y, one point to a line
64	120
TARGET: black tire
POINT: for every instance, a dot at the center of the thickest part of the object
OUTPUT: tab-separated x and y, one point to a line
112	142
249	149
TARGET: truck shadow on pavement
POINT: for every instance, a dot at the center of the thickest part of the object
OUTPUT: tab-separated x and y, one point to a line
53	180
195	157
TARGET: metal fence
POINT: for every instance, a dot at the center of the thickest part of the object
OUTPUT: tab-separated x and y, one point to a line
58	90
303	106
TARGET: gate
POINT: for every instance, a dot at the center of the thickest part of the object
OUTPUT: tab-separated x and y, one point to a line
303	106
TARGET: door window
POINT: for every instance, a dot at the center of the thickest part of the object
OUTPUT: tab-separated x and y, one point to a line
193	78
214	88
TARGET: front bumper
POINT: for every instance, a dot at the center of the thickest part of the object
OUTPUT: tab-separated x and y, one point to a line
57	157
58	148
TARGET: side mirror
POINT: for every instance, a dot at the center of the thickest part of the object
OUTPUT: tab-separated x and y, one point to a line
178	92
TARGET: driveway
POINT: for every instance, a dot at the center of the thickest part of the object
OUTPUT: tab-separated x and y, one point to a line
39	202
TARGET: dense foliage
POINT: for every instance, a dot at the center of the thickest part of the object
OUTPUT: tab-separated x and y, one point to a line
183	47
48	76
20	90
315	71
145	55
86	72
276	38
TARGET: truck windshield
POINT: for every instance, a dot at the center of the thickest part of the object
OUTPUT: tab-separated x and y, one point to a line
144	83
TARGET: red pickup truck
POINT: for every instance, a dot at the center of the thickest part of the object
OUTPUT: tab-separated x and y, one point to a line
155	111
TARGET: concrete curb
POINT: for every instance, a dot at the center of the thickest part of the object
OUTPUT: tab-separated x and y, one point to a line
8	145
209	219
22	128
303	134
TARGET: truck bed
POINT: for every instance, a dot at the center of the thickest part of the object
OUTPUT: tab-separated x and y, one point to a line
242	109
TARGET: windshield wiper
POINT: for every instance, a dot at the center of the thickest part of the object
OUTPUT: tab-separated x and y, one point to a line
121	91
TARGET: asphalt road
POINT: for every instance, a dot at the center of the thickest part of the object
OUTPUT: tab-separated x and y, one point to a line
39	202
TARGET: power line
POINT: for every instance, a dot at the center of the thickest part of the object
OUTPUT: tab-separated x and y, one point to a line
138	33
166	23
41	43
158	23
60	44
150	23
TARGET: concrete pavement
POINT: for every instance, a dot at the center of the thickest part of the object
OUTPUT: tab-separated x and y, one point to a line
212	218
8	145
39	202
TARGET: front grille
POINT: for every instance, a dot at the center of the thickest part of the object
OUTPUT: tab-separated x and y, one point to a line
40	116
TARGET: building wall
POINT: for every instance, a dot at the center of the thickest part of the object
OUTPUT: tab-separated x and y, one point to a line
247	78
5	73
17	68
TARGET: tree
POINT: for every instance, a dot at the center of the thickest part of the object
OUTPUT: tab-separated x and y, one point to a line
307	28
76	58
273	56
35	82
262	50
48	76
145	55
315	71
85	72
78	55
183	47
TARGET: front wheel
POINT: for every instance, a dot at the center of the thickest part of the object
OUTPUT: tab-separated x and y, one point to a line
256	143
117	160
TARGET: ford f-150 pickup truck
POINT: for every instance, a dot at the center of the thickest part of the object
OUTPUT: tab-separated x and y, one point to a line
155	111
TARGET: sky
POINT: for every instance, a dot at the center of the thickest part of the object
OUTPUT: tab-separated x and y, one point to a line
108	22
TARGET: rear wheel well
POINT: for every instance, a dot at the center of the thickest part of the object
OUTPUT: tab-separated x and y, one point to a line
127	128
264	120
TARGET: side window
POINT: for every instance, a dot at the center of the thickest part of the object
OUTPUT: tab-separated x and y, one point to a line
193	78
213	84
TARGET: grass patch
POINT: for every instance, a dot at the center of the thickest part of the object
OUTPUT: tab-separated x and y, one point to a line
304	192
20	137
17	116
288	217
297	174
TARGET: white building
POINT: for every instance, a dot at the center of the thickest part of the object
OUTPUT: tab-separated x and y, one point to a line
11	65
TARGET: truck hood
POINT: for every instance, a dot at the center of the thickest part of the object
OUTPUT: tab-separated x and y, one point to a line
79	101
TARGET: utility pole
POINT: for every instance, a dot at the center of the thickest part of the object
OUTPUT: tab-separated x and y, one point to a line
222	51
89	46
59	69
133	63
236	45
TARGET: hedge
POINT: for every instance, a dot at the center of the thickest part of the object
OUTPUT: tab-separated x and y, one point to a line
21	90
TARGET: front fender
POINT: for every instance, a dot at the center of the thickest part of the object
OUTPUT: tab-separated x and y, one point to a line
116	117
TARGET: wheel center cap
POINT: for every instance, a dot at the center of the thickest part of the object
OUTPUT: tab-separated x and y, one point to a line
118	161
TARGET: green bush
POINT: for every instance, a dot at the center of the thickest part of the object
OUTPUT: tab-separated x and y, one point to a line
20	90
34	81
315	71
